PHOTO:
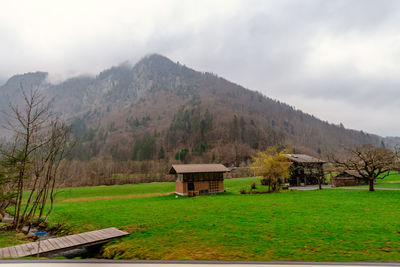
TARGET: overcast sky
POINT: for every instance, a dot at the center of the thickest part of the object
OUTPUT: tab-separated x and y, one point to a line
338	60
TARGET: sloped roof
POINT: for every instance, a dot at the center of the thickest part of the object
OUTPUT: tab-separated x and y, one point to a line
302	158
193	168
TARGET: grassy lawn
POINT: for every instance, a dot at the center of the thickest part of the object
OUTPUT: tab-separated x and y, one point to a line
147	189
327	225
10	239
93	192
319	225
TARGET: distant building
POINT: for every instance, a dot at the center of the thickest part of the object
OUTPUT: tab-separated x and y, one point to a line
198	179
305	170
347	178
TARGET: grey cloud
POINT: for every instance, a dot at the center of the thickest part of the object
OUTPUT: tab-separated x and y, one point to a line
265	46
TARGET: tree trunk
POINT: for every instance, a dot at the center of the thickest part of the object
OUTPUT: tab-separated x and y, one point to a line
371	185
319	184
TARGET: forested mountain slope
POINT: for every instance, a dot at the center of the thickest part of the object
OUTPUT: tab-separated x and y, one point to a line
158	109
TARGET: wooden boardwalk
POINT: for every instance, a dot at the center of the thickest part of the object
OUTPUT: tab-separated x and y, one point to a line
60	244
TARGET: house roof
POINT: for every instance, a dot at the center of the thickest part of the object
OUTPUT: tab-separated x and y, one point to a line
302	158
193	168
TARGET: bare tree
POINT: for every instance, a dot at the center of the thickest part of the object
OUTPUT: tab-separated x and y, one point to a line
370	162
40	143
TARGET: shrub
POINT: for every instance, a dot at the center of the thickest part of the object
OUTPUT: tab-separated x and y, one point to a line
243	191
274	183
253	186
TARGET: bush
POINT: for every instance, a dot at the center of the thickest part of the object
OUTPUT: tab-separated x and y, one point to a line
253	186
274	184
243	191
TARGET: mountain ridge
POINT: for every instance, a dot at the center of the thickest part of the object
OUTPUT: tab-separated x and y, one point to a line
161	109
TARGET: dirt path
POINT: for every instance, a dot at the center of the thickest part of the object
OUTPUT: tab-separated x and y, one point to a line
114	197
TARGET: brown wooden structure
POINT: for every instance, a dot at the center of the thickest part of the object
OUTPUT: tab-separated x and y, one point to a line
198	179
305	170
348	178
59	244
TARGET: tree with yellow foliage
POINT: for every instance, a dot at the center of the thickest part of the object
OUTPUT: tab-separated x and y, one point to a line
272	166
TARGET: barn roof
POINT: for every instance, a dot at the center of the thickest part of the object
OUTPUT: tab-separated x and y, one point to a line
193	168
302	158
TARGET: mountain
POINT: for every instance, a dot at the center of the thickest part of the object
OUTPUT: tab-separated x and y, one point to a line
392	142
158	109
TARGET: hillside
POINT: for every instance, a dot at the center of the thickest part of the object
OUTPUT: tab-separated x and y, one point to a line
158	109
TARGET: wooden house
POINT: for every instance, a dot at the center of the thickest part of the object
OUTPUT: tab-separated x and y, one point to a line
305	170
198	179
347	178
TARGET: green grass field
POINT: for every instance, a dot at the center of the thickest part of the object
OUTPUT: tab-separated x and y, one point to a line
319	225
391	181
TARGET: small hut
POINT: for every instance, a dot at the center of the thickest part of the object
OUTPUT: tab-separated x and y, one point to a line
347	178
305	170
198	179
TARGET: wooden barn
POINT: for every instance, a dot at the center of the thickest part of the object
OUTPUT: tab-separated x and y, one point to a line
198	179
305	170
347	178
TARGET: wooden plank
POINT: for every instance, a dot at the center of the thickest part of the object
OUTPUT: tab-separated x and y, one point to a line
71	240
42	249
88	237
58	242
101	235
49	244
117	231
82	240
61	243
110	230
97	235
32	247
64	241
43	246
104	232
20	253
25	249
75	240
53	243
13	252
7	253
85	237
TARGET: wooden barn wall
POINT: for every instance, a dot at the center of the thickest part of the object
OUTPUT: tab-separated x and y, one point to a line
205	176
